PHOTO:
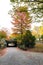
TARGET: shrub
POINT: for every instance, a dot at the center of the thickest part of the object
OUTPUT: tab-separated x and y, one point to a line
2	43
22	46
28	39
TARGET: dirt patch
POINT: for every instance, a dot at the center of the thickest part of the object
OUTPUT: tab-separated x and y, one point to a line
2	51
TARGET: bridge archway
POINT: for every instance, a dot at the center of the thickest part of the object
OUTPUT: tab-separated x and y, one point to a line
11	43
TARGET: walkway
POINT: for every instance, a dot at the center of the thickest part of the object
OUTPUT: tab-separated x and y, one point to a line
15	56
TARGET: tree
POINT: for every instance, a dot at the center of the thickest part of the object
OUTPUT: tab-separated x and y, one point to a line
38	32
28	40
41	30
3	34
21	19
35	8
34	33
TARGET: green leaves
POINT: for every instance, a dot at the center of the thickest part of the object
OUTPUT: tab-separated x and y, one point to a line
22	9
12	0
26	0
3	34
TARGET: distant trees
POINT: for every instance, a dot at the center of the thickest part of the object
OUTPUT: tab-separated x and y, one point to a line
38	32
41	30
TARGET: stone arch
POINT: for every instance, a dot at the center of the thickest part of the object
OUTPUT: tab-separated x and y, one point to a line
10	42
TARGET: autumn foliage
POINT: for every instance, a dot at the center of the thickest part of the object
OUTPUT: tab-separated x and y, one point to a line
3	34
21	19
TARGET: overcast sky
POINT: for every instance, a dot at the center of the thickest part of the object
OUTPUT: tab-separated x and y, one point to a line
5	20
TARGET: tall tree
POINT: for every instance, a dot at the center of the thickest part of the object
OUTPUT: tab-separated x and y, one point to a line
21	19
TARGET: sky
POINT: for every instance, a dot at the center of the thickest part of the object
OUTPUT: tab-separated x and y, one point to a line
5	18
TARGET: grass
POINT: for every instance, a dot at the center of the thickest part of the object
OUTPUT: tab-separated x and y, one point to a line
38	48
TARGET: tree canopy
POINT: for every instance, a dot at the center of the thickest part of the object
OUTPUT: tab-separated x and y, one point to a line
3	34
21	19
26	0
35	8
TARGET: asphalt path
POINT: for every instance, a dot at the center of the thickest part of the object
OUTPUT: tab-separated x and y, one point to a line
15	56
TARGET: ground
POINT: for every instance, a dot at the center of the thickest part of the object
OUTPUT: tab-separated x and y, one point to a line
15	56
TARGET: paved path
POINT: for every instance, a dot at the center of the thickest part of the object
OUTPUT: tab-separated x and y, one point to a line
15	56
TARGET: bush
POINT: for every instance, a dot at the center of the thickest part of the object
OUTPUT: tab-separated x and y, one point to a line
2	43
19	42
22	46
28	39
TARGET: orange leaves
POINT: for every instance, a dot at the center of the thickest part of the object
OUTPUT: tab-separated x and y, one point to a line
21	20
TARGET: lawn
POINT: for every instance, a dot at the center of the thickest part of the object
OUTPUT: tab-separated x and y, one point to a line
38	48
